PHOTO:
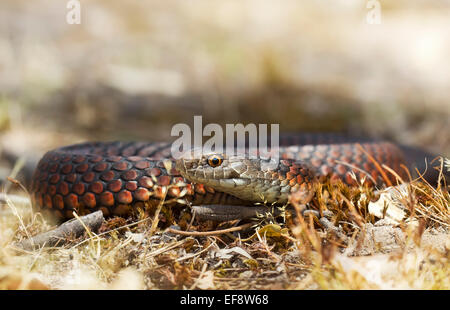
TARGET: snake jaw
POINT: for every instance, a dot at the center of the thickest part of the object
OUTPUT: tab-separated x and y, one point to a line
238	175
233	183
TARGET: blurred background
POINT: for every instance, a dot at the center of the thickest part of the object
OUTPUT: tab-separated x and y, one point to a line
132	69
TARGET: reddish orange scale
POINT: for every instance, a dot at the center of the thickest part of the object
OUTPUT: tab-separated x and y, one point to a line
89	177
142	194
164	180
134	158
100	167
40	200
79	159
95	159
304	171
158	191
114	159
153	172
374	174
142	165
320	155
130	175
174	192
290	175
341	169
43	166
120	166
43	187
66	169
358	159
58	202
108	176
71	178
89	200
345	159
115	186
125	197
349	179
200	189
348	152
52	190
131	185
53	168
63	188
146	182
66	159
79	188
331	161
316	162
335	152
48	201
173	171
189	189
68	214
54	179
96	187
122	209
107	199
293	169
105	211
82	168
326	170
178	180
43	176
72	201
293	182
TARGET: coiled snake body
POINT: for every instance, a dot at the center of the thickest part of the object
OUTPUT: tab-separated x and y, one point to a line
115	177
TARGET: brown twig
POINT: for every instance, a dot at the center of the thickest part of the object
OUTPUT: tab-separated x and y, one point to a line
59	236
208	233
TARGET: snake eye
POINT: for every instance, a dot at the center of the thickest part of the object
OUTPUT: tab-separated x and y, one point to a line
215	160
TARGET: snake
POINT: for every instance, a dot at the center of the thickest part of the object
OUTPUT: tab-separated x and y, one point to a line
118	177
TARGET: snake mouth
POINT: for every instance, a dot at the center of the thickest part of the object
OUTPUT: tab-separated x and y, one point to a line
223	184
234	182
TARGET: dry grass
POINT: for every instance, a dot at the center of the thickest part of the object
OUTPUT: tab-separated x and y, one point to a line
277	253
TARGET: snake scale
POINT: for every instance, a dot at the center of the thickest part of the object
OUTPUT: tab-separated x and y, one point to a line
116	177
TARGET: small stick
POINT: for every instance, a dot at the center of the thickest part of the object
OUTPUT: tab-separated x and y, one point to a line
223	213
208	233
59	235
14	199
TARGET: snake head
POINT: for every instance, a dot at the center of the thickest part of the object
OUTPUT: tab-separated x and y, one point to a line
249	178
213	169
